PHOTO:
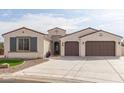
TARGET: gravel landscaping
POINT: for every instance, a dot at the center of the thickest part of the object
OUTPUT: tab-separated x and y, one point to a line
26	64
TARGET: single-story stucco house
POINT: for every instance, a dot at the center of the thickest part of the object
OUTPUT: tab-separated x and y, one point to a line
28	43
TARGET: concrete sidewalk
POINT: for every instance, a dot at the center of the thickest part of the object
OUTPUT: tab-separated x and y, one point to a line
77	69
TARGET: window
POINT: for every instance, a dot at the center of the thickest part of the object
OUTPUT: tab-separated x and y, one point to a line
23	44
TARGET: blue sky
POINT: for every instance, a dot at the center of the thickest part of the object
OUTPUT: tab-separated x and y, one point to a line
71	20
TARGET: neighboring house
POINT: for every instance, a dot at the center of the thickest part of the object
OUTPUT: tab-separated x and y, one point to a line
28	43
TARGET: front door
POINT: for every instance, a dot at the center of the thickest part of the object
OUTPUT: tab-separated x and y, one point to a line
56	48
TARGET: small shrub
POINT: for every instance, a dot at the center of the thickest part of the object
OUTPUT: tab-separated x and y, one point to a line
48	54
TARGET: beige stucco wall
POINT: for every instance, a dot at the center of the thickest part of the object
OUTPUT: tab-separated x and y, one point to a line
38	54
104	37
46	47
122	50
74	37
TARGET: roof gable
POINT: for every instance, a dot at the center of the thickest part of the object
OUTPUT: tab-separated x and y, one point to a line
56	28
111	33
23	28
79	31
101	31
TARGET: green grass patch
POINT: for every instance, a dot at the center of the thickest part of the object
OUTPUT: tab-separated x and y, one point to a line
11	62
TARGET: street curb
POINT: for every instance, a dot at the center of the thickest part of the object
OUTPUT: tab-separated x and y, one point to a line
50	80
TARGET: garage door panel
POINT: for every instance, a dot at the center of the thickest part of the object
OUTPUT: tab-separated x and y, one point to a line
100	48
71	48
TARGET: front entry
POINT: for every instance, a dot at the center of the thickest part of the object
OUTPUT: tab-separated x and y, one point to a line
56	48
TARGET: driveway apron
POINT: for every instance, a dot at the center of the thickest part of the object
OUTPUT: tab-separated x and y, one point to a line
93	69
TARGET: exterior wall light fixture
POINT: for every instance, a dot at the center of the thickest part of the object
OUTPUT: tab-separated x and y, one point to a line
82	42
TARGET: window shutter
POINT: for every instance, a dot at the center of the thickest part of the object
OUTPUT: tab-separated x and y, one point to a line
33	44
12	44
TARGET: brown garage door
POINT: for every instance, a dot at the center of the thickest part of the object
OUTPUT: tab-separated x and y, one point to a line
71	48
100	48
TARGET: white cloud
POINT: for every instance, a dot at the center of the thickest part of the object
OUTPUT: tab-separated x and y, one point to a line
109	20
7	13
116	28
112	21
108	15
42	22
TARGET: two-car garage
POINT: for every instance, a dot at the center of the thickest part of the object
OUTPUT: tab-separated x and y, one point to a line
98	43
93	48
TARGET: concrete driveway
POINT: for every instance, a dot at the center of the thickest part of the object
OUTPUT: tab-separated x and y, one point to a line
77	69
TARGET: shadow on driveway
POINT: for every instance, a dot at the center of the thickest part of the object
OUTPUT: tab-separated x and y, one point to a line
69	58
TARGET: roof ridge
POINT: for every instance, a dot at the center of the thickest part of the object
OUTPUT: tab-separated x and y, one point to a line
100	31
23	28
80	31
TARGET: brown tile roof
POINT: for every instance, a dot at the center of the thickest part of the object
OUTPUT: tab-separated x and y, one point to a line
23	28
